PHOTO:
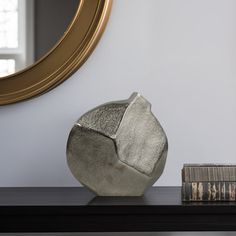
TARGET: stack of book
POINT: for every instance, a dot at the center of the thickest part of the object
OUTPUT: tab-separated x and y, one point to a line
208	182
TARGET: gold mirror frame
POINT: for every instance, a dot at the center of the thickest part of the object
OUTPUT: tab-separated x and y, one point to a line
65	58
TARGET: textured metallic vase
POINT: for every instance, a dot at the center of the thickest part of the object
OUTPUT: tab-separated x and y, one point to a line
118	148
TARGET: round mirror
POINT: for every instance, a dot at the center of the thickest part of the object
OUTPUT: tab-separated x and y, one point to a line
42	42
29	29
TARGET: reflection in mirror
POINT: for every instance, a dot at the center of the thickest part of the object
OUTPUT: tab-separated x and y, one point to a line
29	29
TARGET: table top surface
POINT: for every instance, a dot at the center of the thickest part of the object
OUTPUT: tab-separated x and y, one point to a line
75	209
80	196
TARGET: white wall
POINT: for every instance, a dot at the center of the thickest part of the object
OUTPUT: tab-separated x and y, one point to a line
181	55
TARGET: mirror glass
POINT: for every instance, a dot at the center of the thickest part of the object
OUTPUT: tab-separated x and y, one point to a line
29	29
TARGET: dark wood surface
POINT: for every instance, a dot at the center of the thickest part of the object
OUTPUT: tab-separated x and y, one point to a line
78	210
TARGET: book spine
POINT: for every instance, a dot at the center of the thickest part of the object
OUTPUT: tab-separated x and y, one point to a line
209	173
209	191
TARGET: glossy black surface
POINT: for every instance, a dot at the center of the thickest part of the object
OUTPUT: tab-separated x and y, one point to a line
78	210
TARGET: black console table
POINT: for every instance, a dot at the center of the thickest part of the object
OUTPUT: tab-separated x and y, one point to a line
78	210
